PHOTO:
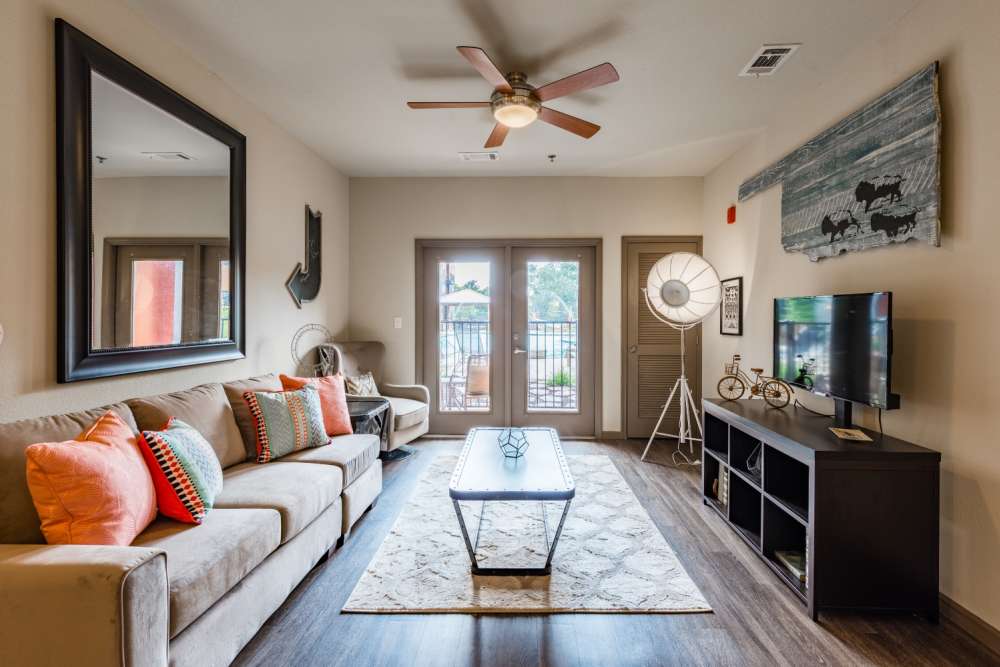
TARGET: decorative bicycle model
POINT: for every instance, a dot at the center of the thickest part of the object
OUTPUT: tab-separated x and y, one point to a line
735	383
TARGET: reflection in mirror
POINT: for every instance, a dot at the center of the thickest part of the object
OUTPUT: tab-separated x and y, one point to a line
160	226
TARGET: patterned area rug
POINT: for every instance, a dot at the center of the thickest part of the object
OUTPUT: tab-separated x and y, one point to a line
610	558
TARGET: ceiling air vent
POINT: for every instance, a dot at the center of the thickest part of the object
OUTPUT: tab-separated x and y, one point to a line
482	156
768	59
166	155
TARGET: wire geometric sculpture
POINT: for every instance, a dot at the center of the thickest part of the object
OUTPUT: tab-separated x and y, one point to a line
317	331
512	442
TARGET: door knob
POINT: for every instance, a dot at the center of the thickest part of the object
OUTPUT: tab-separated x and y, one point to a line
632	349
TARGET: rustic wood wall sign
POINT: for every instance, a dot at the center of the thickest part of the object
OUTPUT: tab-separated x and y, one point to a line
870	180
304	282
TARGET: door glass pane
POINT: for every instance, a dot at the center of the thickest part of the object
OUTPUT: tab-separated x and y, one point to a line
157	301
464	336
553	327
224	299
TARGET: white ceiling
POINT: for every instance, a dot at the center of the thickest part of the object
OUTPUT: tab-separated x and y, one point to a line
125	126
338	74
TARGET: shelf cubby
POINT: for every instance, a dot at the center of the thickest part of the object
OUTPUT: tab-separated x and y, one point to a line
717	437
783	533
744	509
711	479
742	447
787	481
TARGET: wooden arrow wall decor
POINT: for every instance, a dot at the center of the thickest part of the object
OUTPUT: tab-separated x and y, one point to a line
303	284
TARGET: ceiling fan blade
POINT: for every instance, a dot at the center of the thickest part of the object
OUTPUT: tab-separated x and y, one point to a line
574	83
497	136
447	105
569	123
482	62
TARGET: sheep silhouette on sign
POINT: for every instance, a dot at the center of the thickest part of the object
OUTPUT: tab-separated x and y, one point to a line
838	222
884	187
902	219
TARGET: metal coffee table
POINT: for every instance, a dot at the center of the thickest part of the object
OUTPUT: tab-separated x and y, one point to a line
484	474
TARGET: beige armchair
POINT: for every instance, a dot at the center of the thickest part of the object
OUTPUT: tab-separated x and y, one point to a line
408	403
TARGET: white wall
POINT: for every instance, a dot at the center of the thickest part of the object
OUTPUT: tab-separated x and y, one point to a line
945	299
388	214
282	176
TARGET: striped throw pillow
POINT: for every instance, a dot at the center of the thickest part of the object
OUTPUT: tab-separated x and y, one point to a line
286	421
186	473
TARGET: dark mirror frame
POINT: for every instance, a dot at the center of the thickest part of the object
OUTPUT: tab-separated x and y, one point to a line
77	55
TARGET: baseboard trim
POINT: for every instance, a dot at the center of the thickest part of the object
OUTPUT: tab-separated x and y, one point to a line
974	626
612	435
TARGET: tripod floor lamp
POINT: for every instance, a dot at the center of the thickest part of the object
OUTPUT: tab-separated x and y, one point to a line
682	289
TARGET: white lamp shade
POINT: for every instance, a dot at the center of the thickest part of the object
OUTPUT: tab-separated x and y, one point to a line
683	288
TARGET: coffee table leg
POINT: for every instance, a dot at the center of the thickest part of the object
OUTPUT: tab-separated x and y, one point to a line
465	535
555	538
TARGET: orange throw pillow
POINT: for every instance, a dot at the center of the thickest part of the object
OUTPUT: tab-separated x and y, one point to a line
92	490
332	398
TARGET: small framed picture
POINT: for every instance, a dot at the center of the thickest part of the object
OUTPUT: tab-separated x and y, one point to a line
731	311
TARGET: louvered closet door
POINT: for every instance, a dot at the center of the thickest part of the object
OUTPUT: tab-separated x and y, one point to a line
653	348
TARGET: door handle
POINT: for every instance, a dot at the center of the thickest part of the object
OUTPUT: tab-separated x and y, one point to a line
520	350
632	349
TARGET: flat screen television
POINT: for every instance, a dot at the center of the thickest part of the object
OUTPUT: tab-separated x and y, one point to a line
838	346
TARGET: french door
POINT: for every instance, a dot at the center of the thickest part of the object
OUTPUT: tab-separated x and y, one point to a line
508	334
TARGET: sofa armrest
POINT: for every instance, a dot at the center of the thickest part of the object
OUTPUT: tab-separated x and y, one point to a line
416	392
83	605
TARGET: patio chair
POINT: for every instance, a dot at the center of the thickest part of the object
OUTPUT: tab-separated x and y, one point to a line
477	378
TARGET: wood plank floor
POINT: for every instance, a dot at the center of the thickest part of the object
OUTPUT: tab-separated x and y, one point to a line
757	621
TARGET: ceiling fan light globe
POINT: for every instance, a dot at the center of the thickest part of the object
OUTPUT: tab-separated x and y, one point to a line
515	115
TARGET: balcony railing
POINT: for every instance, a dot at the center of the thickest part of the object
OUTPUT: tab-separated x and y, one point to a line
464	349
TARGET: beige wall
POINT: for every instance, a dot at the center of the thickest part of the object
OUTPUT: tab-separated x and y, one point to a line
388	214
282	175
945	299
153	206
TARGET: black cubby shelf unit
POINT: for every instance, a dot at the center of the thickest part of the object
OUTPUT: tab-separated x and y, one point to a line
862	516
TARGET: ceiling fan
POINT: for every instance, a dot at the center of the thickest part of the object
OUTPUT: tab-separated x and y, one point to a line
516	103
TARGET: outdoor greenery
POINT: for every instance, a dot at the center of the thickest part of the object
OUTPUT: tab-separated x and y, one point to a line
561	378
553	291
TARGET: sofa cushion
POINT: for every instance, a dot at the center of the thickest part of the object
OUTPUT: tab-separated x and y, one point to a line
204	408
286	421
19	522
94	489
332	398
234	392
299	491
353	454
204	562
185	472
407	412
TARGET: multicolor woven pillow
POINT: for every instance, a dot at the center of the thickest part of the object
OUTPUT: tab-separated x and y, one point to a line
361	385
185	470
286	421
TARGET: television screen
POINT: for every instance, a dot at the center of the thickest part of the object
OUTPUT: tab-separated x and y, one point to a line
836	345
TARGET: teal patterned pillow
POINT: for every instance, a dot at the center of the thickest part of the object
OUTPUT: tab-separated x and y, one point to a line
286	421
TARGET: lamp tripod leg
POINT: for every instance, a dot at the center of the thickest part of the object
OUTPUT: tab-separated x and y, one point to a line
663	413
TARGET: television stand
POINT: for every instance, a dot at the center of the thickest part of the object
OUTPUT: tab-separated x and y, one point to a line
862	516
843	413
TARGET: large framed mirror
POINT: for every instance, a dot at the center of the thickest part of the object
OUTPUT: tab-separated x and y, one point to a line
151	219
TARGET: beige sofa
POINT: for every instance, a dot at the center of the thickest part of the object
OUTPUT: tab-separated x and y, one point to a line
180	594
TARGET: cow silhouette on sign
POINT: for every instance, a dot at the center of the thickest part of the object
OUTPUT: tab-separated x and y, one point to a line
901	220
880	187
838	222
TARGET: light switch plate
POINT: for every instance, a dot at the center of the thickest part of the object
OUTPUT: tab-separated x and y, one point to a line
397	323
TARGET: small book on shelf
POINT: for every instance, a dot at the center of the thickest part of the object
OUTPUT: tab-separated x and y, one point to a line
794	562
